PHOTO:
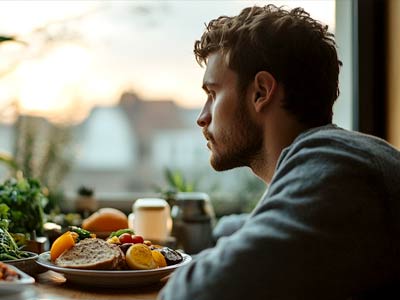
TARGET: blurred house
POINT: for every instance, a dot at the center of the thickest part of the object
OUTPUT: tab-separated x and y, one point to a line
105	151
122	151
127	147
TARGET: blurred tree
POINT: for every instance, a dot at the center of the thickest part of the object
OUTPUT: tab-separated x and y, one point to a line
42	151
7	158
4	38
10	39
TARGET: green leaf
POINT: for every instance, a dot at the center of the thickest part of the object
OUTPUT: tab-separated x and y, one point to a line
24	198
8	38
4	222
120	232
4	38
177	182
4	211
9	161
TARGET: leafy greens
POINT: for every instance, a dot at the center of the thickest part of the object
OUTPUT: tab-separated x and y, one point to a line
25	200
8	248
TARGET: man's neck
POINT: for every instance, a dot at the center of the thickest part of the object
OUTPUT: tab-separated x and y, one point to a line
276	139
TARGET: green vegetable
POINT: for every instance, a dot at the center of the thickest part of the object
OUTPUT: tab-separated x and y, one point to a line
8	248
3	216
25	199
20	239
82	233
121	231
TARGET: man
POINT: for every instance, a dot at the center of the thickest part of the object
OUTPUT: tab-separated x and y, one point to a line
328	225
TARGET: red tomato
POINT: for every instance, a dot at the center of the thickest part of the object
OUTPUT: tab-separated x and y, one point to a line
125	238
137	239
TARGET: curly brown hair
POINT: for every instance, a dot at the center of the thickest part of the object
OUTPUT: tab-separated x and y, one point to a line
296	49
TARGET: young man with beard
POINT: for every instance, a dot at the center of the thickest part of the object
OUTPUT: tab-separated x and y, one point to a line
328	225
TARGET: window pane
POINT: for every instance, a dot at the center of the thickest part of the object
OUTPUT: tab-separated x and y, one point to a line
124	75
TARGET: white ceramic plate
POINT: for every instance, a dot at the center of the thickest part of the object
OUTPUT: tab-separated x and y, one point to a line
111	278
8	287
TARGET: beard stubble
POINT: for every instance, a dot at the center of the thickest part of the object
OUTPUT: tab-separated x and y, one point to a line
242	142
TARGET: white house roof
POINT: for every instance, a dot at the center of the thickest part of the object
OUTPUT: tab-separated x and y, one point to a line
107	141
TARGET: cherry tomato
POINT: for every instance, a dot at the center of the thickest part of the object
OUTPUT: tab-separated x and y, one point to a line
125	238
137	239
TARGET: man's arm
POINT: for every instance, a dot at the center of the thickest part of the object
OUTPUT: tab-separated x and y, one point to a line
228	225
318	234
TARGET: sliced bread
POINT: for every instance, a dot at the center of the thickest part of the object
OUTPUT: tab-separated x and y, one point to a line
92	254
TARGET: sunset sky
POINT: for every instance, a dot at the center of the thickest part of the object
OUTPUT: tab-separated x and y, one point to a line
77	54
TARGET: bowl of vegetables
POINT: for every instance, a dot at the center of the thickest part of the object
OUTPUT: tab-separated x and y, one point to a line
21	218
10	253
27	263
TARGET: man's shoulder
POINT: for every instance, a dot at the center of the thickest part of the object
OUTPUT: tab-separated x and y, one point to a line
339	139
332	132
332	148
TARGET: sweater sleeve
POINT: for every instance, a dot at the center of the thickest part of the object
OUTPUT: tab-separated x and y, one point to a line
317	234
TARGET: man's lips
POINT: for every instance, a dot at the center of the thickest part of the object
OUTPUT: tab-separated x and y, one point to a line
209	138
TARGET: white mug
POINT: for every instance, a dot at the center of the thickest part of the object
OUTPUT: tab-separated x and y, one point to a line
151	219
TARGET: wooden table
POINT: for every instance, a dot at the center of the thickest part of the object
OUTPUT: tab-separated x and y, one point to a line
53	286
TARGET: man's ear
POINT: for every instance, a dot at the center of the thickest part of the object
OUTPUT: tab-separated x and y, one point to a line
265	88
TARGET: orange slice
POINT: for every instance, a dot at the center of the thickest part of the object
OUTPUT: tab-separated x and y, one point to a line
159	258
62	243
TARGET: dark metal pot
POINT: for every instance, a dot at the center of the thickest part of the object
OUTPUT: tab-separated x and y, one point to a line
193	220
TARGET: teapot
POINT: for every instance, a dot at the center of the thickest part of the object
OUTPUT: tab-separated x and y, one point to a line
193	220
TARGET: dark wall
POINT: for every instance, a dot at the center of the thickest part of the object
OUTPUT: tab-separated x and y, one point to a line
369	66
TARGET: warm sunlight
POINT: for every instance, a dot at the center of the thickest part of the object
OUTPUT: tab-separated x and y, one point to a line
82	54
50	85
57	76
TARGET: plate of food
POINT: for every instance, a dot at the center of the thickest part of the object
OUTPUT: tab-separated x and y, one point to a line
115	262
13	280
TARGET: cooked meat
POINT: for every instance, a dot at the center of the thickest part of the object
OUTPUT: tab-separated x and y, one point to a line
172	257
92	254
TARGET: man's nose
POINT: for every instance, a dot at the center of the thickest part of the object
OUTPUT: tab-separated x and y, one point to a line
204	117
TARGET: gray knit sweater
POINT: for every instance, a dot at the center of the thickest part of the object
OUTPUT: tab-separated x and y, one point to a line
328	227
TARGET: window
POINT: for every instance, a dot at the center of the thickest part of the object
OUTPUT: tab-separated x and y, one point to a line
123	75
